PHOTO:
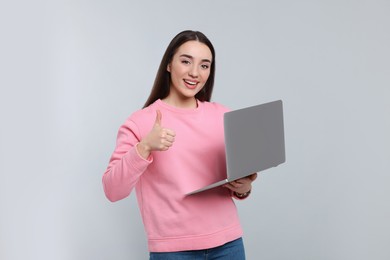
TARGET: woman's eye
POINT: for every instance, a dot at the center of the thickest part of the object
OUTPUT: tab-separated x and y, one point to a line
185	62
205	66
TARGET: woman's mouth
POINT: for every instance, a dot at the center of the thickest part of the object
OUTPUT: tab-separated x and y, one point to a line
190	84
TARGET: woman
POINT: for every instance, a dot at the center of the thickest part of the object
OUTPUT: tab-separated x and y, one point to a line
175	145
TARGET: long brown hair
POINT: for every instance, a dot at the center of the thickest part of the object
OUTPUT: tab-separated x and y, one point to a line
162	81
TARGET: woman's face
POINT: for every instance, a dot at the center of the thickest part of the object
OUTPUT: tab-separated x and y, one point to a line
189	69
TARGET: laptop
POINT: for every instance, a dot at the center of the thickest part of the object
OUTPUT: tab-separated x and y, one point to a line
254	141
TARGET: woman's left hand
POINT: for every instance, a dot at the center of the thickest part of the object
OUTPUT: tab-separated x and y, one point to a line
242	185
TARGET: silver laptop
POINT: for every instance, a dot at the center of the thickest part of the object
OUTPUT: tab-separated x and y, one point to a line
254	140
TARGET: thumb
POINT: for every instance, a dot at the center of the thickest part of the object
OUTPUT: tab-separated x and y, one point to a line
158	117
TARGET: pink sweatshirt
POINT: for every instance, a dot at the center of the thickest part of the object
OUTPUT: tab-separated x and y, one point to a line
172	220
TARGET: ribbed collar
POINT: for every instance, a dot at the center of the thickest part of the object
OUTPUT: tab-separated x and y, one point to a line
161	103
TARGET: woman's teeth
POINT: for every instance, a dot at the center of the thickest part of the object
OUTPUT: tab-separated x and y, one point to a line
190	82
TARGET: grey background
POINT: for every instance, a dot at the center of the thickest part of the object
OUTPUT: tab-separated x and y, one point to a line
72	71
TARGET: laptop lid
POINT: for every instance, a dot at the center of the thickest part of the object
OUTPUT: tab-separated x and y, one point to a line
254	141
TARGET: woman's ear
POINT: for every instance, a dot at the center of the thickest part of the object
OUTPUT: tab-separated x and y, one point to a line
169	67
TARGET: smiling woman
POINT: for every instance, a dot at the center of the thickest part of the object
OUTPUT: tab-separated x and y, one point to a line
162	83
173	145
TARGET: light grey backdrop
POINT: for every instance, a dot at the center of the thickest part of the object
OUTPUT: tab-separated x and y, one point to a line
72	71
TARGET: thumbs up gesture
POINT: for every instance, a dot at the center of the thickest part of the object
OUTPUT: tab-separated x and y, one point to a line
158	139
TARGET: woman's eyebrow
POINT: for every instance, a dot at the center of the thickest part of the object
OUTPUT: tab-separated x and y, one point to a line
190	57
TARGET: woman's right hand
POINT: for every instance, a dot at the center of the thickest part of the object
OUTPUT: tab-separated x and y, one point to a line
158	139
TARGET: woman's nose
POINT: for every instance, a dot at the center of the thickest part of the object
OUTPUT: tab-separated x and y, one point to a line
193	72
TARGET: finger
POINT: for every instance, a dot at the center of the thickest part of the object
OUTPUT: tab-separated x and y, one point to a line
170	138
253	177
232	187
243	180
167	140
167	134
158	117
235	184
164	148
166	145
247	179
250	178
170	132
229	186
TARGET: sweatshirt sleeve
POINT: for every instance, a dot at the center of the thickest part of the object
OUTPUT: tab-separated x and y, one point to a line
125	165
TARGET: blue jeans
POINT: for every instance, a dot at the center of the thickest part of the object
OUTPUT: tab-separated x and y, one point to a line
233	250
